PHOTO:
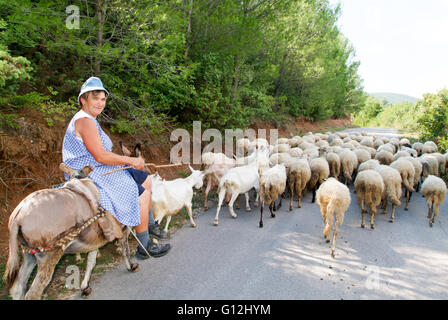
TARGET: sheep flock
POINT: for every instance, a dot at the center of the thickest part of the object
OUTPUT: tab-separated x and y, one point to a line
381	171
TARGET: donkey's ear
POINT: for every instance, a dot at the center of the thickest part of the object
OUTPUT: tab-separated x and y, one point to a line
125	150
138	150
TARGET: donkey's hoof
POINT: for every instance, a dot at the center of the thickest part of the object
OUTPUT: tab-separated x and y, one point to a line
86	292
135	267
194	225
215	223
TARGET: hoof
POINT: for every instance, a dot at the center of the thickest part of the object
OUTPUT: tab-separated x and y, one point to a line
256	205
135	267
405	209
327	240
372	227
261	225
86	292
290	208
363	226
193	225
215	223
248	209
235	216
332	254
205	208
391	220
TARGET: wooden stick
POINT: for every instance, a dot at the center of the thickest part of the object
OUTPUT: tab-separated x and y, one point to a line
146	164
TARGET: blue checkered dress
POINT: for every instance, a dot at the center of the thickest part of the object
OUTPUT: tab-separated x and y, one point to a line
118	190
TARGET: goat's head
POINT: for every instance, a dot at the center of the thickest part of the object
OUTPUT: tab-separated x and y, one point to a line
197	177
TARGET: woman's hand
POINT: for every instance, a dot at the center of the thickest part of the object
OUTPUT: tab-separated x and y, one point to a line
138	163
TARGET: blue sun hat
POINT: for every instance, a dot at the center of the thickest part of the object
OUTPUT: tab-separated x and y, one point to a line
92	84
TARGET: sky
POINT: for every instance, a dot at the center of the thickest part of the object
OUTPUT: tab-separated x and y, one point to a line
402	44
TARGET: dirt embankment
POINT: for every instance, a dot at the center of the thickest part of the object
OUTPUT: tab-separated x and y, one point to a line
30	156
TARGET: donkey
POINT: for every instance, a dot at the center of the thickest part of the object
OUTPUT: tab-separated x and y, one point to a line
49	223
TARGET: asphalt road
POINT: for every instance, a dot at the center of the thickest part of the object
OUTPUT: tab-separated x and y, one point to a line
289	259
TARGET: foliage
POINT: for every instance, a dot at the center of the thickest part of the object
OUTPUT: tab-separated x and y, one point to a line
433	122
224	62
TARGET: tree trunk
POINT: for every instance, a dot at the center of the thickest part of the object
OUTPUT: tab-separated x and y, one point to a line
187	38
99	34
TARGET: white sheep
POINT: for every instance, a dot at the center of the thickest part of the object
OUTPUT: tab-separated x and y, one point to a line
384	157
418	146
407	172
320	171
363	155
272	185
333	199
429	147
392	188
434	191
334	162
369	188
299	173
349	162
169	197
368	165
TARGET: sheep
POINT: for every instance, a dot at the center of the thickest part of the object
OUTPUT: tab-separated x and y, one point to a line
319	172
405	142
333	199
384	157
334	162
349	162
411	151
281	148
237	180
433	163
417	173
347	145
282	141
392	188
242	145
434	191
169	197
407	172
368	165
369	188
294	142
299	173
429	147
295	152
363	155
371	150
336	142
367	141
208	158
388	147
442	162
418	146
377	143
272	184
311	153
401	154
279	158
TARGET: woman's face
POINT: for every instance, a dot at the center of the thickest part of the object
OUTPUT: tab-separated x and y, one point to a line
95	103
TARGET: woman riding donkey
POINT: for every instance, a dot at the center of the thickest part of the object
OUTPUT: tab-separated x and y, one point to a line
126	194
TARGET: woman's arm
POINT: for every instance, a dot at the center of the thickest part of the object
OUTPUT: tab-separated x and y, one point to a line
88	131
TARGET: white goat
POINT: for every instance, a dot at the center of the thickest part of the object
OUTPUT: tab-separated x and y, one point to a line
237	180
169	197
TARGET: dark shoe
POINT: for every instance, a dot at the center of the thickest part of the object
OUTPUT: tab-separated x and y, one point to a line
157	232
155	250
